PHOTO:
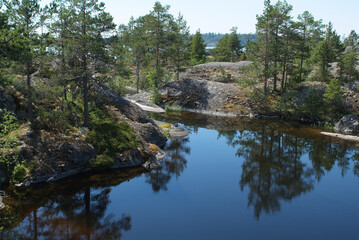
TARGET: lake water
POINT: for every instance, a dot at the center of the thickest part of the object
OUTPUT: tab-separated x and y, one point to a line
229	179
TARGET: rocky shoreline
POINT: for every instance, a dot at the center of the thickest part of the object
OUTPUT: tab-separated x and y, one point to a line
55	156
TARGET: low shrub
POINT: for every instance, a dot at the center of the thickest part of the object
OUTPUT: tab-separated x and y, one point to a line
19	173
108	136
101	162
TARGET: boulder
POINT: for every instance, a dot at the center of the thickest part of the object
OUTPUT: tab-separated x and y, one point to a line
349	124
7	101
202	96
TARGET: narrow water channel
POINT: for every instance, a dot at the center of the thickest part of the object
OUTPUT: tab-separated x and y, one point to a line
229	179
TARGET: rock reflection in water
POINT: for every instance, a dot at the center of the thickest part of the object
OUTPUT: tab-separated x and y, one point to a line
73	210
173	165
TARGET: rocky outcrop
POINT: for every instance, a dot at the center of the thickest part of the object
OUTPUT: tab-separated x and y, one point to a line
217	71
124	110
143	100
12	101
348	124
53	156
208	97
61	156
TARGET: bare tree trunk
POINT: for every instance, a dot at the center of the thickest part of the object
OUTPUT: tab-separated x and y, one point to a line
29	92
85	78
138	75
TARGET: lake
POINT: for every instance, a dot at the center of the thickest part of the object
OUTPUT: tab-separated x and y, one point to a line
229	179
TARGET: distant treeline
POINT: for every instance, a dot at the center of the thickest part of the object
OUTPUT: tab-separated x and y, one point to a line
211	39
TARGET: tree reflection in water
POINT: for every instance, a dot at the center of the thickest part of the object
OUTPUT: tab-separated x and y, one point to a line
76	210
173	165
275	167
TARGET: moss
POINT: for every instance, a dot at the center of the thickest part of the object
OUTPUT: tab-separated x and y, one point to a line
101	162
166	133
165	126
165	129
153	147
108	136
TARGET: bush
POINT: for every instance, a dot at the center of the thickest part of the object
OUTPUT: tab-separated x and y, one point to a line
313	105
224	76
101	162
8	123
108	136
54	120
156	98
19	173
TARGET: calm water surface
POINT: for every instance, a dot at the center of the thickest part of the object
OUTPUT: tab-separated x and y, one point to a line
243	179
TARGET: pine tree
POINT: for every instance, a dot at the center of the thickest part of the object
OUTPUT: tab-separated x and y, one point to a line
280	17
158	28
333	97
326	52
88	24
229	48
25	15
60	32
178	51
262	55
308	32
198	49
133	36
348	64
352	39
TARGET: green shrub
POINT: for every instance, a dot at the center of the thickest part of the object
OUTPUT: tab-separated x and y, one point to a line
101	162
19	173
224	76
313	105
5	80
108	136
156	98
8	123
55	119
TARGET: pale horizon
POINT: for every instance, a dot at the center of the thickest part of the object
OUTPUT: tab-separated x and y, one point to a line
220	17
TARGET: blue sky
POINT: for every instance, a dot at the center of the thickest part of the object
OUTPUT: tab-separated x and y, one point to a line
222	15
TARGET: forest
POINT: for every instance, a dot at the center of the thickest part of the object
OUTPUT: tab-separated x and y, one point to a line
51	57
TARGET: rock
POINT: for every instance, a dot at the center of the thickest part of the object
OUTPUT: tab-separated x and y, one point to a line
130	110
7	101
150	133
349	124
341	136
123	109
202	96
154	109
2	176
217	71
173	131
